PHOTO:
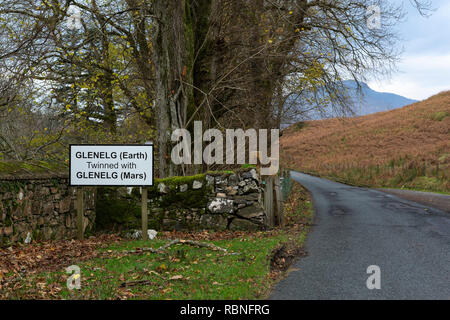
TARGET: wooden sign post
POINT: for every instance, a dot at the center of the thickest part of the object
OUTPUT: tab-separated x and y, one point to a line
80	212
144	211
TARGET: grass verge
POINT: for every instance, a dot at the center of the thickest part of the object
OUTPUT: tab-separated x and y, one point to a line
374	177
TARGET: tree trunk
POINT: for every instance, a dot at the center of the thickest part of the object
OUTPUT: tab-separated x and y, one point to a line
173	49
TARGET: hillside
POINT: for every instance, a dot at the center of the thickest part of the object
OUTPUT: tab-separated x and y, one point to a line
407	147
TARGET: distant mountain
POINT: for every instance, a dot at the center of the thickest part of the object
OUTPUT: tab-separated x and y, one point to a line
365	101
373	101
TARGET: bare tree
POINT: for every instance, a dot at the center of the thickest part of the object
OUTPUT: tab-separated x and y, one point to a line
228	63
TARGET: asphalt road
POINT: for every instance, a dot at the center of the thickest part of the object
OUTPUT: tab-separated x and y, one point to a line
355	228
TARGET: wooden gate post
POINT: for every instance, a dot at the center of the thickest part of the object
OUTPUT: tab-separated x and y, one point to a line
268	200
278	201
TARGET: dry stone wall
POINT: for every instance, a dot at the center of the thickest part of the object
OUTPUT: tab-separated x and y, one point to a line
213	201
37	202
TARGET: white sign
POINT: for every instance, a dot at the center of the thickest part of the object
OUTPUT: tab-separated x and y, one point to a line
111	165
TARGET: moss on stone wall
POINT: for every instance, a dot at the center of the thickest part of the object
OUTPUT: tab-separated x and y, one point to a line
180	180
174	196
33	169
116	210
119	209
11	186
188	199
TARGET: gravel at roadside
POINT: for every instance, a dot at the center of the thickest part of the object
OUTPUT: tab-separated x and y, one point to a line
435	200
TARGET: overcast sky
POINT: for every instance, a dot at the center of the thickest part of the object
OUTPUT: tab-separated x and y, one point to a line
424	69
